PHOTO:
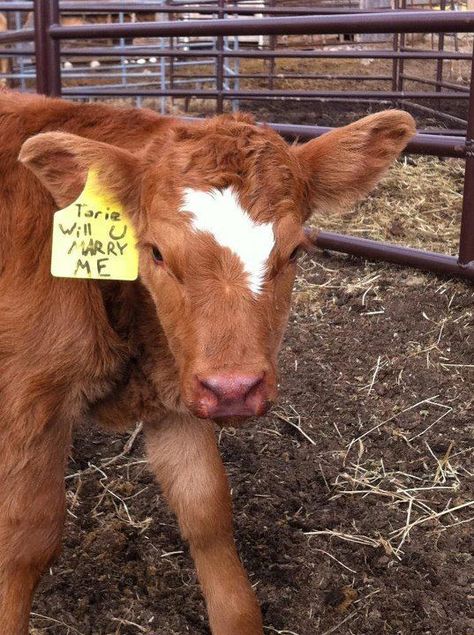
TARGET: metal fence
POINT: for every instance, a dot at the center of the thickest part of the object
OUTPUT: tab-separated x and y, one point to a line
52	41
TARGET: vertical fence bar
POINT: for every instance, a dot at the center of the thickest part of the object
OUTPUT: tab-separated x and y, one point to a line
19	60
466	241
439	64
48	72
171	17
396	48
41	20
123	70
431	34
220	64
236	68
12	62
456	37
271	61
401	61
54	57
162	18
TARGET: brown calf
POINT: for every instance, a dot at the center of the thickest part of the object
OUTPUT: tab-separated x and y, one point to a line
218	208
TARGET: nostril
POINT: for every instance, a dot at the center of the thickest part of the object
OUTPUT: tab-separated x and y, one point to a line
231	394
231	387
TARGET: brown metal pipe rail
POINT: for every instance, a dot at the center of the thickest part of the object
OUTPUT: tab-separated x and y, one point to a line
26	35
329	95
295	76
432	111
5	7
435	82
444	132
156	7
390	22
150	50
397	254
15	52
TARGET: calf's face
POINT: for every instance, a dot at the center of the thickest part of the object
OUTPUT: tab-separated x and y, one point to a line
218	208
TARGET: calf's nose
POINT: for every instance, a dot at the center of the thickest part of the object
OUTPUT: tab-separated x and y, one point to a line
231	395
231	387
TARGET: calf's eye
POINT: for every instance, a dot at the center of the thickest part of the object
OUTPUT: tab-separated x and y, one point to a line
294	254
156	253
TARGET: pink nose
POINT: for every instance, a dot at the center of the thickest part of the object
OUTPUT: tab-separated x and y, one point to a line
231	395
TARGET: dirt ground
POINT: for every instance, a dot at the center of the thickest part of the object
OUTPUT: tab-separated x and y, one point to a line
352	497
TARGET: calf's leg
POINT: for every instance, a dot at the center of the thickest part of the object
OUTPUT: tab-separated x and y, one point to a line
32	506
184	457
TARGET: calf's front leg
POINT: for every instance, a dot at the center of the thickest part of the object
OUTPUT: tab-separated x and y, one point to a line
183	454
32	502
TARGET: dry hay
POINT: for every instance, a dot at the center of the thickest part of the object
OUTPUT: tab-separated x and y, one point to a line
417	204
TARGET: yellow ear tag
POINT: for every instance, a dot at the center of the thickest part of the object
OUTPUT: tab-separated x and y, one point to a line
93	238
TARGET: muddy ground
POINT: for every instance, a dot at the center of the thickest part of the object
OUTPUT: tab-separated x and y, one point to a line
352	497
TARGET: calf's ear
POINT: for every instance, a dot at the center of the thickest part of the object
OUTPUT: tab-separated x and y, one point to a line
343	165
61	162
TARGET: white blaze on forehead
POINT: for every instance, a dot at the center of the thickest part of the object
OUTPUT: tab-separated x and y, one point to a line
219	213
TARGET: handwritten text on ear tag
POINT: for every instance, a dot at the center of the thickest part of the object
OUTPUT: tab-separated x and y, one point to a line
93	238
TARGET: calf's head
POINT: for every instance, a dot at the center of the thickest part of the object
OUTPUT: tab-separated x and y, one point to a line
219	207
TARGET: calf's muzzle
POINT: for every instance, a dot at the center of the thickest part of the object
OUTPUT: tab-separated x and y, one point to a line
231	395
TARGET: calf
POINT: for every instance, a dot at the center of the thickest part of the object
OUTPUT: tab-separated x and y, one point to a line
218	208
